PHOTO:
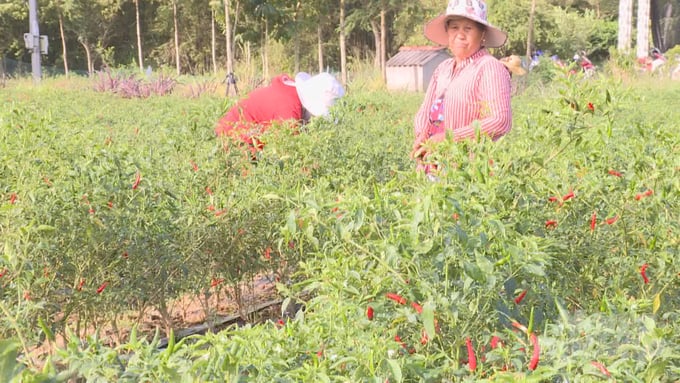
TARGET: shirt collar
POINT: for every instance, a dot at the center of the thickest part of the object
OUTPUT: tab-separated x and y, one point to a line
470	60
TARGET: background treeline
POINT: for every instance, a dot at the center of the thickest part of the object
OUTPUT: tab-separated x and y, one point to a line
289	35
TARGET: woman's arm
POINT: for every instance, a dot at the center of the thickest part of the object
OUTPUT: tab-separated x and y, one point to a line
422	119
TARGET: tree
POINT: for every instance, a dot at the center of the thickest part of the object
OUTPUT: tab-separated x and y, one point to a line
139	38
642	29
176	27
343	48
625	27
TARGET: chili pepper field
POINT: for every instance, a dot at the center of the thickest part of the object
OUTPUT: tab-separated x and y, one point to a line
551	255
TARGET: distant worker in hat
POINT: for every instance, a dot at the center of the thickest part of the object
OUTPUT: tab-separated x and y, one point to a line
471	86
283	101
514	65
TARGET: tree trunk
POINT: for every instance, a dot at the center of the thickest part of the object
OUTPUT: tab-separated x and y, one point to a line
343	48
643	29
139	38
213	41
265	50
228	35
319	34
63	43
376	38
383	44
174	17
530	32
625	25
296	38
88	55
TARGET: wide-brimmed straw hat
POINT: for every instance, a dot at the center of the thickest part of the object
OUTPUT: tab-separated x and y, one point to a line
514	65
474	10
318	93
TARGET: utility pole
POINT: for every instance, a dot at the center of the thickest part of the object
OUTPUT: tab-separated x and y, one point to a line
34	37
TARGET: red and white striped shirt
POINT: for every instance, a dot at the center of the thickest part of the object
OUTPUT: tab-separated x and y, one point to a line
477	89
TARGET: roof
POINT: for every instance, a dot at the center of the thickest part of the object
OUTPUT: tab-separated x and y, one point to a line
415	56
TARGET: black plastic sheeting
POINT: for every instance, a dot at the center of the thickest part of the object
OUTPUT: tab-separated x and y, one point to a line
665	16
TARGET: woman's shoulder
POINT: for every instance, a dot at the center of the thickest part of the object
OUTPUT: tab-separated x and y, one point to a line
488	60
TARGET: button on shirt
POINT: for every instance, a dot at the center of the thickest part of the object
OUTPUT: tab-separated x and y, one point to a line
477	89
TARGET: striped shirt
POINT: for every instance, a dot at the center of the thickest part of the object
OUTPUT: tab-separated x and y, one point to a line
478	89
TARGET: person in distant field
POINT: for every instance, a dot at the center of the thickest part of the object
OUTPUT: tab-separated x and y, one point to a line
514	65
284	100
471	86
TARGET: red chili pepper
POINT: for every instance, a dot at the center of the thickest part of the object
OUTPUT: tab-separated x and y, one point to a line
110	204
369	313
551	224
417	307
208	190
102	287
424	338
591	107
216	282
91	211
602	368
533	363
568	196
615	173
27	295
267	253
125	254
3	272
520	297
80	284
647	193
211	208
220	212
280	323
518	326
472	359
643	273
138	179
397	298
610	221
554	199
593	221
13	198
496	342
194	166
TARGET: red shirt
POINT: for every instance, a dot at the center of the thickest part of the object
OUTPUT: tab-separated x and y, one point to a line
251	116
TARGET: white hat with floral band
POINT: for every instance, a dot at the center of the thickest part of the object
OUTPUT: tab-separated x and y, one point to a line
318	93
474	10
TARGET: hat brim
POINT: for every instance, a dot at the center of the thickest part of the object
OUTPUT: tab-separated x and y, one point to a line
516	70
435	31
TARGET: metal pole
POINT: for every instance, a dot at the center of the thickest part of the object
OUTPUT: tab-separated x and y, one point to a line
35	36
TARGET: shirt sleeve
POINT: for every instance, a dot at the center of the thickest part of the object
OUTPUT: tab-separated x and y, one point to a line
494	99
422	118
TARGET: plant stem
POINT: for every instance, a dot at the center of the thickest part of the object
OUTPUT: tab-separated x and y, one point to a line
14	324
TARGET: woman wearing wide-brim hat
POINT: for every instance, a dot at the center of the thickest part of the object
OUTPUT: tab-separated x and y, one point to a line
471	86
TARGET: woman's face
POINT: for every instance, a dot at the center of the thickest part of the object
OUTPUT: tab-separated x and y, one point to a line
465	37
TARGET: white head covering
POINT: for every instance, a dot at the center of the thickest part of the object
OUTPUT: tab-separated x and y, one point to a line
474	10
318	93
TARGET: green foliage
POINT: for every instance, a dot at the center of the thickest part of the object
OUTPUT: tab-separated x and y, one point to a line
340	204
